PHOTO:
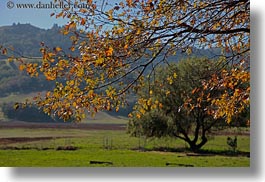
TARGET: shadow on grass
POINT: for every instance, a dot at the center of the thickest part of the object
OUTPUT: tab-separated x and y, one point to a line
201	152
68	147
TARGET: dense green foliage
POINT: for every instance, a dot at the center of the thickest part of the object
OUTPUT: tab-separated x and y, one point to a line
29	114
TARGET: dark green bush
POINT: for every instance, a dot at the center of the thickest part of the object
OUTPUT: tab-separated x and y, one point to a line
28	114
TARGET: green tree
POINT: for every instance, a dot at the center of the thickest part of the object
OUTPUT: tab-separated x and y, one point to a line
164	106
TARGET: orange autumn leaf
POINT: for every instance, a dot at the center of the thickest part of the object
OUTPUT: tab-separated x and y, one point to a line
109	52
83	21
58	49
22	67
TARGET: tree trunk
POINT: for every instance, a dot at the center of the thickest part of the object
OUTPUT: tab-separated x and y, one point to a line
195	147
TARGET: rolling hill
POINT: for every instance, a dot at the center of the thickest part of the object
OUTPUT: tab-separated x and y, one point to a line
26	40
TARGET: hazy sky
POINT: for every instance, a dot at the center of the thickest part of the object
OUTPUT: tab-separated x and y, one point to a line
10	13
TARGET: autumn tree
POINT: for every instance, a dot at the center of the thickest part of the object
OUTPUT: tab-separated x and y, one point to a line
117	41
171	104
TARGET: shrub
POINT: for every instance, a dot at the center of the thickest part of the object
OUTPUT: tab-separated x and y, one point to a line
28	114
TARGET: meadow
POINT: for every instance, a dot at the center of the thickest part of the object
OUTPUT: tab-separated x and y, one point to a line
61	147
47	145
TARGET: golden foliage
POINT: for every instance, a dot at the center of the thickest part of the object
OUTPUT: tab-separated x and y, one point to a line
112	40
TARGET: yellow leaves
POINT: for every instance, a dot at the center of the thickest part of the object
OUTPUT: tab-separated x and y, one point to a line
50	76
175	75
109	52
16	106
142	111
126	46
58	49
208	98
72	25
147	9
48	94
100	64
202	4
50	54
195	5
82	10
203	40
83	115
151	92
74	104
110	14
47	55
120	30
111	92
129	3
170	80
86	58
199	100
149	102
216	26
31	69
189	50
45	64
72	48
71	82
43	50
10	59
22	67
65	32
59	15
145	105
99	61
62	64
168	93
80	72
234	93
69	27
138	31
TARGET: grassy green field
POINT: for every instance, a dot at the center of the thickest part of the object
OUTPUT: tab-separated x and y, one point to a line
116	147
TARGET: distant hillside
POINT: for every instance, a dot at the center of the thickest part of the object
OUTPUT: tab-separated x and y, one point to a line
26	38
13	81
